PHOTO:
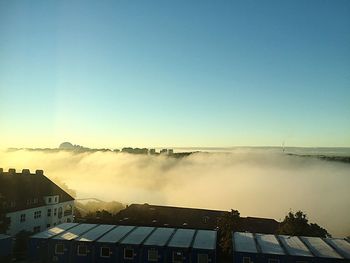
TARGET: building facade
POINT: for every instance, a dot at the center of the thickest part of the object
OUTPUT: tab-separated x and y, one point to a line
33	202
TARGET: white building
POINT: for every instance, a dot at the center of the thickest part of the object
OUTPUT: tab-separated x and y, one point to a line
33	202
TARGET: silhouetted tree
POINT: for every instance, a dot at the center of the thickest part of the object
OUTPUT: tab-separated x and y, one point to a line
297	224
227	224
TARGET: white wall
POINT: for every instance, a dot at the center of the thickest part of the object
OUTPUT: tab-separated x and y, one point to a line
28	225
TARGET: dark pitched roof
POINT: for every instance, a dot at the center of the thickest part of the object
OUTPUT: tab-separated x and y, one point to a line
182	217
155	215
19	187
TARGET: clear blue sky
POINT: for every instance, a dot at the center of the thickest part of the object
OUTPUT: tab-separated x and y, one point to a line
174	73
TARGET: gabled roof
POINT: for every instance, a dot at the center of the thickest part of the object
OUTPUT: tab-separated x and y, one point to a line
191	218
20	187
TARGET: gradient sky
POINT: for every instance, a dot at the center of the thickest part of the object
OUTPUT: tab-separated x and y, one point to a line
174	73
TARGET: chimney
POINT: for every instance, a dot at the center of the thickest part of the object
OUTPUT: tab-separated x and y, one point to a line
39	172
25	172
12	171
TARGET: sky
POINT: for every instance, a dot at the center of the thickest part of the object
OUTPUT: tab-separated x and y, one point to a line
175	73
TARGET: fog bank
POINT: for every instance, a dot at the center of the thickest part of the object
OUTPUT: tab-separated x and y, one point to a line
257	182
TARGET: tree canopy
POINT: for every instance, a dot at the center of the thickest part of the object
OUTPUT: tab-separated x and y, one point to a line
297	224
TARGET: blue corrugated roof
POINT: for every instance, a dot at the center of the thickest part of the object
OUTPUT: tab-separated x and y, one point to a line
294	246
53	231
116	234
244	242
137	236
182	238
269	244
159	237
2	236
341	246
74	232
94	233
205	239
320	248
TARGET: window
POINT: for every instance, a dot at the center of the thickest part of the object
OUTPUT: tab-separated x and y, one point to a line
36	229
68	210
128	253
37	214
29	201
246	260
55	212
49	200
49	212
60	211
56	199
272	260
82	250
23	218
35	200
152	255
177	257
105	252
59	249
202	258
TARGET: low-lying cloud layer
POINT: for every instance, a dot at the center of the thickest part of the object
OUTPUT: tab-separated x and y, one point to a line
257	182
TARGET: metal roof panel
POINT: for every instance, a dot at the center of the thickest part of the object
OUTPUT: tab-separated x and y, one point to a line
116	234
341	246
159	237
74	232
54	231
94	233
244	242
294	246
269	244
182	238
137	236
320	248
205	239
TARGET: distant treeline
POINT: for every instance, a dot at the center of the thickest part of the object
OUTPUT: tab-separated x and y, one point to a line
343	159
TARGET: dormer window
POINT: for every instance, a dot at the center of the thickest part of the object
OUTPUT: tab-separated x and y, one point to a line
56	199
50	199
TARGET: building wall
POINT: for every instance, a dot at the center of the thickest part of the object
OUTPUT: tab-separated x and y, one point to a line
44	221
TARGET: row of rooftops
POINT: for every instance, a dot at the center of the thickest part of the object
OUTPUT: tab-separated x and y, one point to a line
132	235
337	248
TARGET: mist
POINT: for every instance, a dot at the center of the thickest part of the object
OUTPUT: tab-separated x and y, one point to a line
257	182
